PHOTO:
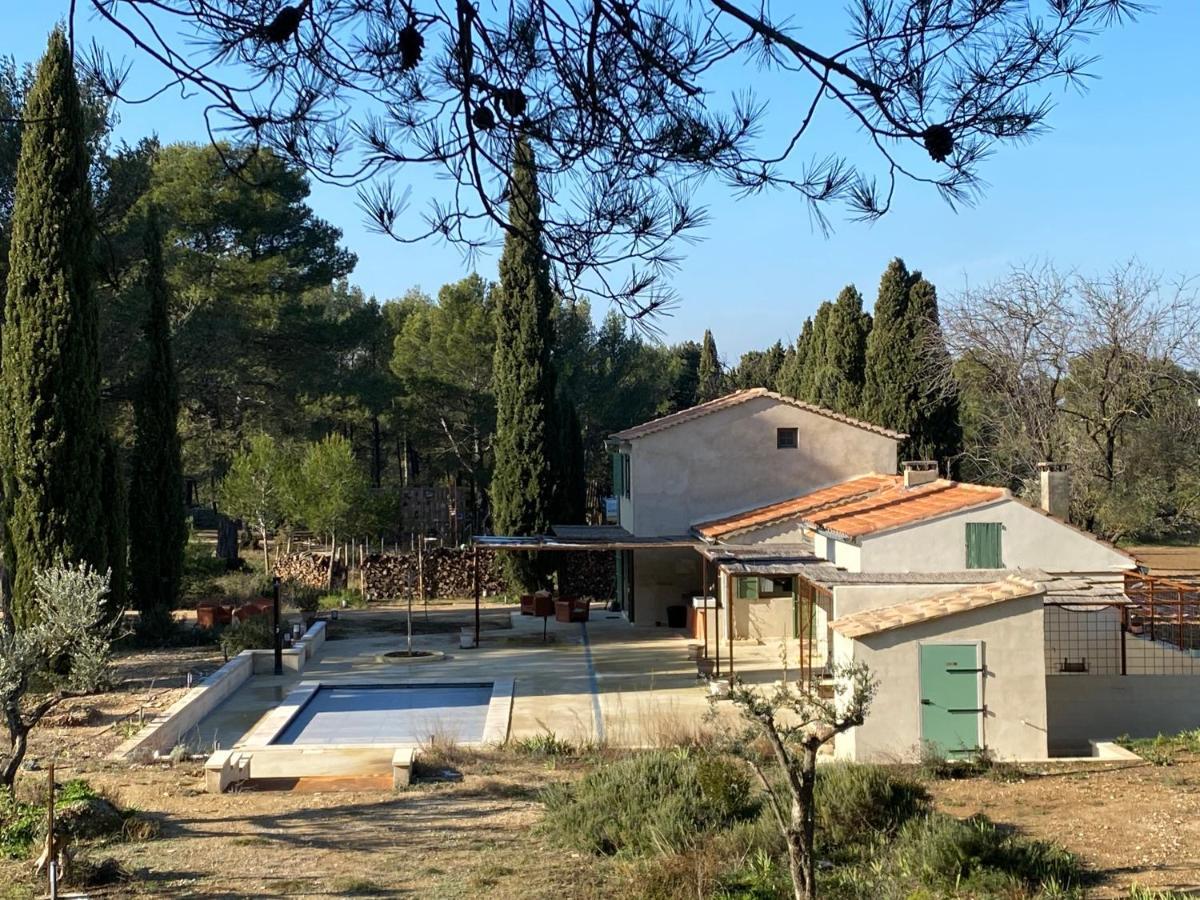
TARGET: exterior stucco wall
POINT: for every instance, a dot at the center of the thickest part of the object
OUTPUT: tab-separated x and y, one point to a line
1014	683
1091	707
1031	540
778	533
727	462
661	578
852	598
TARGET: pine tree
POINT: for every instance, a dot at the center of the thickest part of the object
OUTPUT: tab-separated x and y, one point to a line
157	524
710	382
525	443
49	366
906	363
791	372
838	376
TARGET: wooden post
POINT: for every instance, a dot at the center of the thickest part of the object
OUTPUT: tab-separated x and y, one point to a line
1124	628
717	621
729	617
475	566
51	849
703	613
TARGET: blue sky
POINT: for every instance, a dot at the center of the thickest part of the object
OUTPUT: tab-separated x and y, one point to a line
1115	177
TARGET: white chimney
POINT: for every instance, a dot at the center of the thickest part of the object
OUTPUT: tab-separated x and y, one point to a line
919	471
1055	483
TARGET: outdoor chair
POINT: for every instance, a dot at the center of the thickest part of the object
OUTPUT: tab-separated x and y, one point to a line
571	609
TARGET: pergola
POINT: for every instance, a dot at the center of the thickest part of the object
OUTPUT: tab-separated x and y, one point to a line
591	538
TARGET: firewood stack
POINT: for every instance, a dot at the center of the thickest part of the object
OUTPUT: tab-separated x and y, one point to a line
308	569
448	572
586	573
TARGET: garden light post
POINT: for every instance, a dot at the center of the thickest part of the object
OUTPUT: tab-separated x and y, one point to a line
275	630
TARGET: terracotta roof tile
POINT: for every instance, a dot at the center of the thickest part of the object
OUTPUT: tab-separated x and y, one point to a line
887	618
737	398
897	505
797	507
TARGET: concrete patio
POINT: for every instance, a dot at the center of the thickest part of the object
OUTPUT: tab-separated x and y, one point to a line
603	681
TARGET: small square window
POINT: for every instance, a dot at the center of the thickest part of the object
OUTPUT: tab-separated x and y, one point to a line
787	438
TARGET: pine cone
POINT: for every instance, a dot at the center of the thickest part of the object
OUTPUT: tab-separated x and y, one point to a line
411	44
484	118
939	142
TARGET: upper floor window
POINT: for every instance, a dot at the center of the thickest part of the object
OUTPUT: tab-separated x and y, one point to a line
984	540
787	438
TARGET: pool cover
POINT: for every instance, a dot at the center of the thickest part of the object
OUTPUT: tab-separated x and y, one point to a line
390	714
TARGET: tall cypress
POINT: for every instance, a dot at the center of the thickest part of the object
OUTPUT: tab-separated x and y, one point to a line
709	386
935	432
812	369
907	367
525	444
571	466
791	372
838	376
156	517
116	524
51	444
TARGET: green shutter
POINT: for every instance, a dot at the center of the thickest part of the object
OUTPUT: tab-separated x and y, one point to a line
618	475
984	545
747	588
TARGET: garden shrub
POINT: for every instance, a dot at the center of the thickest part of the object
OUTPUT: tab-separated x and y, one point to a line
253	634
857	804
942	852
648	803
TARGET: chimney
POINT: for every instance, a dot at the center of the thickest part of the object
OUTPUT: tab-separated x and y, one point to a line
919	471
1055	482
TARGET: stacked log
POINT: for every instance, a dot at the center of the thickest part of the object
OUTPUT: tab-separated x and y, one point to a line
587	573
448	572
309	570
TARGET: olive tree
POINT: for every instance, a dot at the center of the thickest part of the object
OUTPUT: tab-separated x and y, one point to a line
65	652
796	722
255	489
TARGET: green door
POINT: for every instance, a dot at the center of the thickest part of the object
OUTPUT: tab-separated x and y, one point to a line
951	706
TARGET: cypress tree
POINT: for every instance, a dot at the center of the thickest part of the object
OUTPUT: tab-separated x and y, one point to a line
936	432
837	381
889	395
157	526
523	489
685	376
791	373
907	366
49	366
709	386
116	525
571	474
815	355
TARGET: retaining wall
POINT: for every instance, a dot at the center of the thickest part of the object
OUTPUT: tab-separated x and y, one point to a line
1081	708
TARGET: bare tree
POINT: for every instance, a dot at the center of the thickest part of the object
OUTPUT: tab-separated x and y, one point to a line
631	105
796	723
1060	367
65	653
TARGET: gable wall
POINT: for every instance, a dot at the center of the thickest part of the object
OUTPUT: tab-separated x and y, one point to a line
727	462
1030	540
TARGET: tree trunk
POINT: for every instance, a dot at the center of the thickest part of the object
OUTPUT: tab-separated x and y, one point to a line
18	738
332	560
266	554
376	452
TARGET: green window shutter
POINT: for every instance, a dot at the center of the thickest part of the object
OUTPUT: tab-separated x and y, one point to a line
984	545
618	475
747	588
627	473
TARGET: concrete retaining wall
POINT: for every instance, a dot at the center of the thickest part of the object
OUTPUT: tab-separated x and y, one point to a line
169	727
1081	708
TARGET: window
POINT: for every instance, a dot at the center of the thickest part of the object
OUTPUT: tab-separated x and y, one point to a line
621	474
984	545
751	587
787	438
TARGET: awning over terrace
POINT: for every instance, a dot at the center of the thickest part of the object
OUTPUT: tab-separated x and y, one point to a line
583	537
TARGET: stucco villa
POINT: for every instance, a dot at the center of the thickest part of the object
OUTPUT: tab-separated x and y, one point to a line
990	623
759	521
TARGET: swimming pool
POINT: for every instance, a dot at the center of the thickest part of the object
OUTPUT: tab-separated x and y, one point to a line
389	714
